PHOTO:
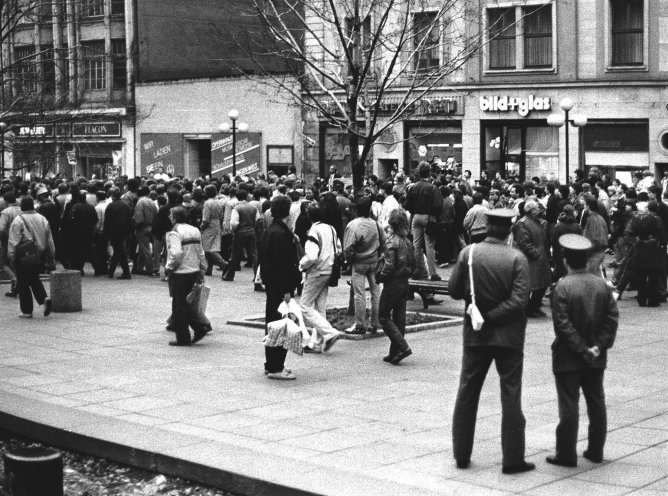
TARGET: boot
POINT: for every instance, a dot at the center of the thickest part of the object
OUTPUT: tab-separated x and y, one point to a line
12	293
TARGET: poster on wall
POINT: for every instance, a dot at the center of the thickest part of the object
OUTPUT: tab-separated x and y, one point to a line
248	154
162	150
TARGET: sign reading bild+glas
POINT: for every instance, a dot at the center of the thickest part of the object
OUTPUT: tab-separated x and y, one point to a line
96	129
515	104
248	154
162	150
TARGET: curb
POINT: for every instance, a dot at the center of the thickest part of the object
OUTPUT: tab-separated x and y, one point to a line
145	459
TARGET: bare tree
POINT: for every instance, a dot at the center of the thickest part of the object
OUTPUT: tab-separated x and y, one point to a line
348	56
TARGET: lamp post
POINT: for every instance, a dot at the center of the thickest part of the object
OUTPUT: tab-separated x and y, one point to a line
558	120
225	127
3	126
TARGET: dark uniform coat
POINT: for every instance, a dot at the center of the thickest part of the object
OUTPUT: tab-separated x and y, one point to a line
584	314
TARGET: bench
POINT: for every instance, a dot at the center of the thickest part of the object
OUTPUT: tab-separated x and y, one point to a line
426	289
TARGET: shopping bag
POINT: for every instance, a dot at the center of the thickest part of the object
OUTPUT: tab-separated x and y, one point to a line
198	298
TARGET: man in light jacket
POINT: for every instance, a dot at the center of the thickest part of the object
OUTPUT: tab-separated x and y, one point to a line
30	225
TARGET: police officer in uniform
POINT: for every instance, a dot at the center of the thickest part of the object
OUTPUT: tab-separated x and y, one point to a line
585	318
501	287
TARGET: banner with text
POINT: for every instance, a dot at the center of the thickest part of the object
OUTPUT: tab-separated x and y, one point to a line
248	151
162	150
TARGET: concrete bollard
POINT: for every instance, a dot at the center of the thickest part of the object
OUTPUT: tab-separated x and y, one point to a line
66	290
34	472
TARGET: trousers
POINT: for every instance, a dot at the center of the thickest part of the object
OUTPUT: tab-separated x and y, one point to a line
274	355
475	364
314	304
568	394
423	243
392	313
28	284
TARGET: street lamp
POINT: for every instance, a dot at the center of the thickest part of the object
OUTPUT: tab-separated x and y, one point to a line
3	126
242	127
558	120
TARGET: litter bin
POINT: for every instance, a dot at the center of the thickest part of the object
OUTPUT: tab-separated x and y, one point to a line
34	472
66	291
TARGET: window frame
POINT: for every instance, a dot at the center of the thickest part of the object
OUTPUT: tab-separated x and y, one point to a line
25	69
520	38
118	65
94	6
437	46
115	11
94	66
610	65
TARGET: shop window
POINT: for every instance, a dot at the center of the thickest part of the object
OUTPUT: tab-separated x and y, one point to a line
426	41
520	38
118	63
627	35
95	74
92	8
26	70
542	152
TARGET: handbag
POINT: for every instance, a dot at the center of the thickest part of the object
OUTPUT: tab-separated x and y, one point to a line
473	312
336	268
26	253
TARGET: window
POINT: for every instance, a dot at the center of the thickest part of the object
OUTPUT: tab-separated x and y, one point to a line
538	36
364	30
95	74
48	70
520	37
426	41
502	38
627	32
118	7
92	8
26	71
118	60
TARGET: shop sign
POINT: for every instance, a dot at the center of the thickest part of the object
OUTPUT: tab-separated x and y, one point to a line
36	131
248	154
431	105
96	129
162	150
511	104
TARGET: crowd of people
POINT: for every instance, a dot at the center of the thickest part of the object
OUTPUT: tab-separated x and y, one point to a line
529	238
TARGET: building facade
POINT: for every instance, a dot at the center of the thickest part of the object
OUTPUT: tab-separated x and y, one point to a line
68	87
178	128
609	57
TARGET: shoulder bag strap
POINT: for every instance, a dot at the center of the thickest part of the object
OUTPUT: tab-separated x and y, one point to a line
27	226
333	241
471	273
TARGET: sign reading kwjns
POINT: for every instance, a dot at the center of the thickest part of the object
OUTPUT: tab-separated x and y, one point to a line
508	104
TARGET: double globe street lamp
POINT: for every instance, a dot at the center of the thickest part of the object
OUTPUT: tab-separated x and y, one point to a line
558	120
241	127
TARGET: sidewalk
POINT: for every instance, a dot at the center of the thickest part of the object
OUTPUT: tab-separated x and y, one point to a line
104	381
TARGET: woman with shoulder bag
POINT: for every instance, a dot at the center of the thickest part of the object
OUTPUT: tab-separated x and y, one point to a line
397	266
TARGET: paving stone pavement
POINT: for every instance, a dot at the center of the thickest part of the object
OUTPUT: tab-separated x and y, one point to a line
104	381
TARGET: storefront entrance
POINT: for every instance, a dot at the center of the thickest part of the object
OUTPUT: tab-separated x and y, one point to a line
520	148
